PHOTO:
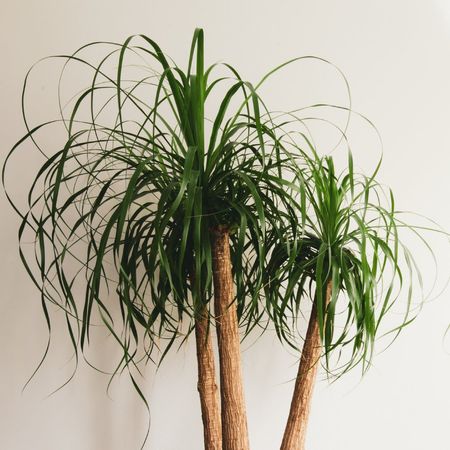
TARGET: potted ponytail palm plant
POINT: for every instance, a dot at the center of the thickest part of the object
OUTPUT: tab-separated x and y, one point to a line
189	220
351	263
140	200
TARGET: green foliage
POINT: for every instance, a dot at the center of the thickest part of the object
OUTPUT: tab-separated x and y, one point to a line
127	203
351	239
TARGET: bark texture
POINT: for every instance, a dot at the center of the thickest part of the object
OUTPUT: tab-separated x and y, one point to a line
207	387
295	432
234	420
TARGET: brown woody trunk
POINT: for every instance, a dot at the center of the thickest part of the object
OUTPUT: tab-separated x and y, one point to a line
295	432
207	387
234	420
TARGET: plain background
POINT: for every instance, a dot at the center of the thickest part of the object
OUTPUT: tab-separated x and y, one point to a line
396	55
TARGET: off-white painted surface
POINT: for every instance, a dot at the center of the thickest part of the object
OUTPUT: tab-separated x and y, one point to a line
396	55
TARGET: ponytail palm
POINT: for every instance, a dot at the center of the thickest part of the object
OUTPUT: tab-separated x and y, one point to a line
143	200
354	258
171	222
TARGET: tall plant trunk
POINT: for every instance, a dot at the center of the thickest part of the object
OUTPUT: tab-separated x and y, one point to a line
234	420
295	432
207	387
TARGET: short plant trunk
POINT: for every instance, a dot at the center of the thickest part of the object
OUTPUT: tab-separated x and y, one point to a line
295	432
234	419
207	386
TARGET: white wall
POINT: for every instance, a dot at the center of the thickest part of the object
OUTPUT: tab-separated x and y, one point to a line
396	55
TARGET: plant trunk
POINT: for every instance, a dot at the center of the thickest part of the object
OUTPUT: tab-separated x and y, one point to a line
234	420
207	387
295	432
